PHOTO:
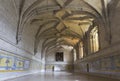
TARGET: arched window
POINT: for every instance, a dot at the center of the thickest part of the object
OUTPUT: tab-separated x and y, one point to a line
75	55
81	50
94	40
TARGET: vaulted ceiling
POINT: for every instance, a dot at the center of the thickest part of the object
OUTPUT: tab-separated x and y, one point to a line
60	22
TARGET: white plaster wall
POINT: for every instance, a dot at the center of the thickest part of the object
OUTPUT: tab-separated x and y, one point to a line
8	20
115	25
68	57
60	66
8	30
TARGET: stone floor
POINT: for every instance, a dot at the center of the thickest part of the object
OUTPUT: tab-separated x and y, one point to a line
61	77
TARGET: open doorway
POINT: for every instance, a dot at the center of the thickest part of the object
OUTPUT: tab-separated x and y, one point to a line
53	68
87	67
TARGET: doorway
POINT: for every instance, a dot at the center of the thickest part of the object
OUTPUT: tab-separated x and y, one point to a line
87	67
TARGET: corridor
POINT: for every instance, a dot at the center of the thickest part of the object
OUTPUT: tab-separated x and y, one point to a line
61	77
39	36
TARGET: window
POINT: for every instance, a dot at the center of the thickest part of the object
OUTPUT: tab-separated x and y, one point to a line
81	50
94	40
75	55
59	56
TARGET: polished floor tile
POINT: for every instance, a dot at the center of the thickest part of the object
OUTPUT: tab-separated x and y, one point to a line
61	77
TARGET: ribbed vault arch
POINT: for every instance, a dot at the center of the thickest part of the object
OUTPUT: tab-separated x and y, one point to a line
62	22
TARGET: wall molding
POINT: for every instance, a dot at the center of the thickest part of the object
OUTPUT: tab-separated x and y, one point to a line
24	52
14	44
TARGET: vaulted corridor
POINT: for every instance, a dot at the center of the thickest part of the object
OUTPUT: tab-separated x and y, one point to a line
59	39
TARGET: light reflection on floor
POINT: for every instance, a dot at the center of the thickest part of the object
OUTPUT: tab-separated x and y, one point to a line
61	76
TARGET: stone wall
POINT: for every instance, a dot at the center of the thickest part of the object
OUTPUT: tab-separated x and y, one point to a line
65	65
103	63
106	61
